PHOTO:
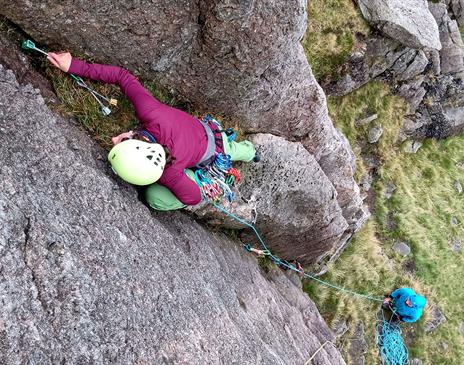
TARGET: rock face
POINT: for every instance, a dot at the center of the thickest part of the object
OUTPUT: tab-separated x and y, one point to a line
89	275
456	7
242	59
292	192
451	54
410	21
291	200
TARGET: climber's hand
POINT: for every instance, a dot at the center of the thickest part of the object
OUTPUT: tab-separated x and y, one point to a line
122	137
60	60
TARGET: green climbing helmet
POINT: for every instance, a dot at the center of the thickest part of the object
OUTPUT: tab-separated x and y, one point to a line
138	162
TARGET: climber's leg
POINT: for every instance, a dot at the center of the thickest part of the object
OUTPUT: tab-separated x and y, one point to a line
160	197
239	151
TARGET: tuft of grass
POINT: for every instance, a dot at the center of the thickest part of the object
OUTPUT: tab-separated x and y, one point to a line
331	34
372	98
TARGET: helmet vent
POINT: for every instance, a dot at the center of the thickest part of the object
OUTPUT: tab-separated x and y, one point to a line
150	157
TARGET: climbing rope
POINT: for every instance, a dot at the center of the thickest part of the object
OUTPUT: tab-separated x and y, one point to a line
391	345
317	351
288	265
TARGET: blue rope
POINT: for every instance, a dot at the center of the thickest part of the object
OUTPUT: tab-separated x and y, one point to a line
290	266
391	345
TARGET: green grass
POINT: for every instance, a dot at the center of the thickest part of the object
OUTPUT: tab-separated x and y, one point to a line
419	211
331	34
421	208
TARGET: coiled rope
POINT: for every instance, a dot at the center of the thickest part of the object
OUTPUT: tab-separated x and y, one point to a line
391	345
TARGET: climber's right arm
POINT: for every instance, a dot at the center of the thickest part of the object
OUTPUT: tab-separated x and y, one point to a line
140	97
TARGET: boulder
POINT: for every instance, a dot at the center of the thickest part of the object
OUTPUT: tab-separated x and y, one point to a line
409	22
452	51
241	59
383	58
436	319
292	201
402	248
90	275
374	134
456	8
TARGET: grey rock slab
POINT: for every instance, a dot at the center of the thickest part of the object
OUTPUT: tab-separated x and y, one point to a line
365	181
461	328
409	22
292	192
456	7
243	60
457	185
412	146
413	92
456	245
454	221
452	52
367	120
340	327
292	202
374	134
90	275
402	248
437	318
411	63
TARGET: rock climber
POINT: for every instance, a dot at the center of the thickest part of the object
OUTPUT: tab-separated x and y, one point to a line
406	305
167	145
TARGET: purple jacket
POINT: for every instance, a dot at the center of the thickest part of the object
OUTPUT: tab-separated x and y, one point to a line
180	132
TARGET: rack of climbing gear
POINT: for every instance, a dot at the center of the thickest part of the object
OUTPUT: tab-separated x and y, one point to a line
218	179
105	110
389	340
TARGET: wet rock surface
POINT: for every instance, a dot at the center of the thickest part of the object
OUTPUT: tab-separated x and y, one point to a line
90	275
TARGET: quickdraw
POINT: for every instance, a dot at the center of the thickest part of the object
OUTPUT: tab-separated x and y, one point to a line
29	45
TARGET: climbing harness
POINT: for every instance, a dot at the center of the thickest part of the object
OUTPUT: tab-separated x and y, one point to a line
105	110
217	178
388	337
